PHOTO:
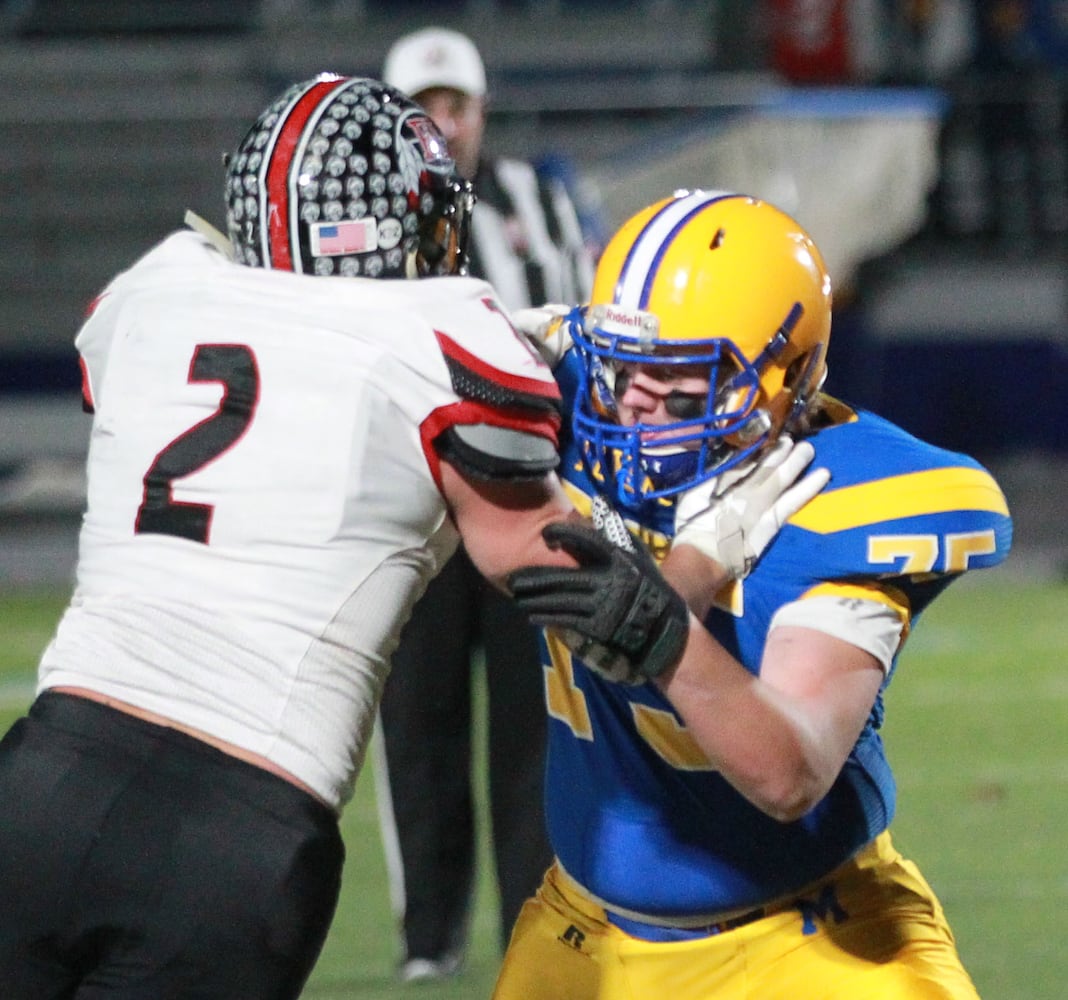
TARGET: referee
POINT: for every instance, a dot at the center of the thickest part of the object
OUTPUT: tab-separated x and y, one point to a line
527	241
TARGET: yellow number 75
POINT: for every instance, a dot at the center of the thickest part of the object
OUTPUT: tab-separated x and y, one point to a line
919	553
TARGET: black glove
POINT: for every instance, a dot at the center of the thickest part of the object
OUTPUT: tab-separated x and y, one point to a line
615	611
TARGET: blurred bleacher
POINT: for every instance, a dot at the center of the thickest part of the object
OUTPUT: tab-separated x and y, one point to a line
114	117
932	158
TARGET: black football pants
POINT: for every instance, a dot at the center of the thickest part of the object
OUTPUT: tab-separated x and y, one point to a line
137	863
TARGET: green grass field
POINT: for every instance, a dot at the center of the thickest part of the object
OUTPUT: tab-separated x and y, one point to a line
976	731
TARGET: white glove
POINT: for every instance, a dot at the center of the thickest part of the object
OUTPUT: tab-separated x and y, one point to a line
546	330
733	517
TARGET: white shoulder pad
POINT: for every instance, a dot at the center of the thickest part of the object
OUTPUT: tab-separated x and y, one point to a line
875	627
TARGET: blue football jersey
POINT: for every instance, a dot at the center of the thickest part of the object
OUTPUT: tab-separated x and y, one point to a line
636	813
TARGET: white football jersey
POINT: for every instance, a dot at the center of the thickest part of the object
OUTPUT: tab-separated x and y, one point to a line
262	503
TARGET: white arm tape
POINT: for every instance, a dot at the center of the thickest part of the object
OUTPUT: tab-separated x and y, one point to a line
871	625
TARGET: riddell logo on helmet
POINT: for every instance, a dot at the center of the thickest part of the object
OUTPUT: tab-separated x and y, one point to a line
632	323
623	317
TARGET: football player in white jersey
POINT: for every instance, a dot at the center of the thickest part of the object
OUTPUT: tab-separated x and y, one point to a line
283	452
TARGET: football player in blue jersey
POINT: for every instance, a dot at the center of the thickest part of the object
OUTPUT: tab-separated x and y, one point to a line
720	816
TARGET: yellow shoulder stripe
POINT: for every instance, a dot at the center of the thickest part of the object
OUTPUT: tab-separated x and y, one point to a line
932	492
884	593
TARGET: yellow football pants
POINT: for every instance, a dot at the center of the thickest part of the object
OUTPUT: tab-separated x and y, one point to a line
873	930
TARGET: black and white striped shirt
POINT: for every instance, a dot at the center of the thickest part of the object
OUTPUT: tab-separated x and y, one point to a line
525	237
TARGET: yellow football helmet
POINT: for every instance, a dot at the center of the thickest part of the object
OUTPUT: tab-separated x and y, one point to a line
701	278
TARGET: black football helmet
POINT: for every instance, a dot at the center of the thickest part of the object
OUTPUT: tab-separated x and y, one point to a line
347	176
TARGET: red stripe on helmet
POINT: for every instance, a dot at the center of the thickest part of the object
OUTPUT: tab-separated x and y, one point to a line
277	182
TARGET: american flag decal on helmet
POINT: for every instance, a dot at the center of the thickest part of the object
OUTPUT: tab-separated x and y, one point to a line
330	239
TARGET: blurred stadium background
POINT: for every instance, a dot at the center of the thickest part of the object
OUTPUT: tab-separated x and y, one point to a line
924	143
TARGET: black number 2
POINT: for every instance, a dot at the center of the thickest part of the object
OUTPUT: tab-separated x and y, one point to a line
234	365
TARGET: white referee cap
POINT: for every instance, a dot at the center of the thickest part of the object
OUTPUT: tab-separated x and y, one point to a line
435	57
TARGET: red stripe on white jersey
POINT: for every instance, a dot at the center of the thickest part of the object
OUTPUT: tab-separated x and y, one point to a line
547	389
467	413
88	403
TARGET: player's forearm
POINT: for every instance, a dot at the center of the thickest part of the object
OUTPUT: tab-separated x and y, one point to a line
694	576
501	523
758	738
755	736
